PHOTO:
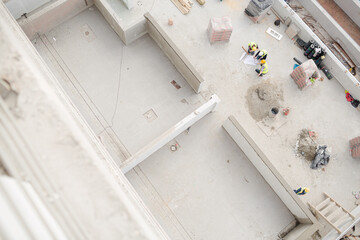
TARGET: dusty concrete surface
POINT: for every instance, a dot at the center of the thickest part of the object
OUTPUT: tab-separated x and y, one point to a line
226	182
342	19
208	189
64	154
117	86
261	98
201	173
306	146
322	107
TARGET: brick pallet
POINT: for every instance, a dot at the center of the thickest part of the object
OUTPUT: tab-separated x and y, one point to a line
219	29
355	147
300	78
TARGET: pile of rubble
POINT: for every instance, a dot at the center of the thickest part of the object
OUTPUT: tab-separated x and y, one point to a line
307	147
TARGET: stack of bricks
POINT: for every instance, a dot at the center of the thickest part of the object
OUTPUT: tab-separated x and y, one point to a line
219	29
355	147
299	77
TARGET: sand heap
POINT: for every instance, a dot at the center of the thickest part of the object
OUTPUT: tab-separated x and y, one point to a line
305	146
261	98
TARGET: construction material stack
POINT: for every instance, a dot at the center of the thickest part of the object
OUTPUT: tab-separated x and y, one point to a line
184	6
257	9
219	29
355	147
315	52
304	72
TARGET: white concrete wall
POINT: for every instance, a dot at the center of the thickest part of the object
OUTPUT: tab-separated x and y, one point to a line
182	64
23	214
274	179
19	7
351	8
127	32
334	29
50	15
337	69
233	129
170	134
129	3
48	143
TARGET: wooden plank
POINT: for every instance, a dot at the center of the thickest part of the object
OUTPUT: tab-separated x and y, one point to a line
185	4
331	224
328	208
181	8
341	220
352	216
334	214
322	204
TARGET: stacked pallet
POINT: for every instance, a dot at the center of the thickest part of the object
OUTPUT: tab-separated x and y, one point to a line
304	72
183	5
300	78
219	29
355	147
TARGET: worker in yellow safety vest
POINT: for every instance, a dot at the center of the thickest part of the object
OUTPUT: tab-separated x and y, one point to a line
261	55
252	47
301	190
263	68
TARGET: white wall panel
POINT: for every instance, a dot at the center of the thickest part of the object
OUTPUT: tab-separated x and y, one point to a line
19	7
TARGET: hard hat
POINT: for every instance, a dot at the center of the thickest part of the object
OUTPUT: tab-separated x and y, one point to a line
253	48
261	53
262	61
306	189
346	91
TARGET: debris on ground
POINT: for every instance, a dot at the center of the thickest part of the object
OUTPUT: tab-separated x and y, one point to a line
170	22
356	194
286	111
322	157
261	98
355	147
305	145
313	135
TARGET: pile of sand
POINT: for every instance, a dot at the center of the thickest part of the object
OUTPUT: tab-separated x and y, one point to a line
261	98
305	146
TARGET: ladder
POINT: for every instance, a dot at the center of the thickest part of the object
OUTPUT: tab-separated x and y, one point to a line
332	212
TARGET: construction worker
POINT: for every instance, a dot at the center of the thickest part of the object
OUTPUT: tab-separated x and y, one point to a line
301	190
252	47
354	102
261	55
263	68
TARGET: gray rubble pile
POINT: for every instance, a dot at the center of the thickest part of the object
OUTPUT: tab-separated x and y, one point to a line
258	7
322	157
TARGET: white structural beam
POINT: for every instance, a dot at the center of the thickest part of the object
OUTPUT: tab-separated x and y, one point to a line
24	215
170	134
348	229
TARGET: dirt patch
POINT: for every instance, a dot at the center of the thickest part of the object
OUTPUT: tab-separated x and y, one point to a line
261	98
305	146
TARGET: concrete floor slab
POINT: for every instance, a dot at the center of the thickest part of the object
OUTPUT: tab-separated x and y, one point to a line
322	107
195	192
209	189
119	83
